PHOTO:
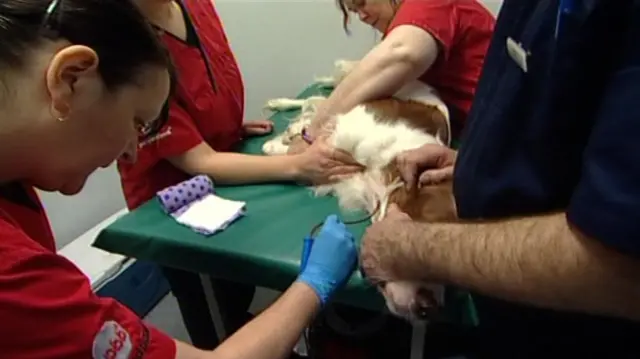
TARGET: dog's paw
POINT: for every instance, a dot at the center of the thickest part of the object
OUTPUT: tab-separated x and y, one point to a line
275	147
284	104
325	81
343	67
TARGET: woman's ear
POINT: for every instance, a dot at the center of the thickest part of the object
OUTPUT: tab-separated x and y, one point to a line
72	72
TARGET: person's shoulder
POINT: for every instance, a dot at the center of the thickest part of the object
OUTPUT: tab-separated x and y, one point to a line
10	233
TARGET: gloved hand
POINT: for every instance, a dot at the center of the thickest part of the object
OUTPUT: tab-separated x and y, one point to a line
332	259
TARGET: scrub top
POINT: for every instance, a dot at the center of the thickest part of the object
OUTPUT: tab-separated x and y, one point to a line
558	131
462	29
207	106
47	306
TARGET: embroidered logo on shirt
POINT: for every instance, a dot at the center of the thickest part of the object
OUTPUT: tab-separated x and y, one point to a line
111	342
156	137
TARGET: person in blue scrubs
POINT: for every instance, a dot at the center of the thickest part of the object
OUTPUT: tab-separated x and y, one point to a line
547	186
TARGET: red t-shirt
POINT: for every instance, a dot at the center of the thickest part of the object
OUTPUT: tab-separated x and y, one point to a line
198	111
47	306
463	29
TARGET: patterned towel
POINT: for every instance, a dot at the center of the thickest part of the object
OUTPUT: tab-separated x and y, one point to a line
194	204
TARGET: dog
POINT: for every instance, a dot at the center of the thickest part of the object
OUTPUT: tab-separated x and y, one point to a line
374	133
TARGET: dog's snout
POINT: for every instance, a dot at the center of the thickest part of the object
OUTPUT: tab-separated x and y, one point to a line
424	311
426	304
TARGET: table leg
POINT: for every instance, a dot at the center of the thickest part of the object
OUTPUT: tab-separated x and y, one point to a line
418	332
214	309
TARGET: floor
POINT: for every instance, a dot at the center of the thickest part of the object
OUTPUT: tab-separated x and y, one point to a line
166	316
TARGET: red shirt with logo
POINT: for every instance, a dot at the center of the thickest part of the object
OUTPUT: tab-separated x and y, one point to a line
208	105
463	30
47	306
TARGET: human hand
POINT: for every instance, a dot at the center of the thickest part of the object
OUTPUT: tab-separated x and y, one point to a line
321	163
383	247
428	164
257	127
394	213
332	259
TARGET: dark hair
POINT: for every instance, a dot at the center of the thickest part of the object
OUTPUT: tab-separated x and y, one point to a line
115	29
345	15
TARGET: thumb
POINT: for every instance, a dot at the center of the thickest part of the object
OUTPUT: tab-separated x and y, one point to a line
408	174
436	175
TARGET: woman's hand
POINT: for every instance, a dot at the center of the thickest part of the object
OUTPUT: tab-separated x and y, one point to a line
332	259
321	163
429	164
257	128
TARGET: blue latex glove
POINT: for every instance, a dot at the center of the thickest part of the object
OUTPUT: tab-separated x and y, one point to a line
332	259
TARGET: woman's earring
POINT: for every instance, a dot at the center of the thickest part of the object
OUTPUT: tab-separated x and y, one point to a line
61	116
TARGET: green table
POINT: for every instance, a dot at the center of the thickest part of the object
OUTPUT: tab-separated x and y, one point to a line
263	248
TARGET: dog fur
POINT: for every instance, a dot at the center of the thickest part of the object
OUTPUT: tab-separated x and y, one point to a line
374	133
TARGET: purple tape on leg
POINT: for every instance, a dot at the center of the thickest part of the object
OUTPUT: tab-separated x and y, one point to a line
176	199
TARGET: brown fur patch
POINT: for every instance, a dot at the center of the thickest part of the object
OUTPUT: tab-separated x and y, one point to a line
432	203
424	117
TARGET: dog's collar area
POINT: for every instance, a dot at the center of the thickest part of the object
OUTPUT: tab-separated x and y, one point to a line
305	136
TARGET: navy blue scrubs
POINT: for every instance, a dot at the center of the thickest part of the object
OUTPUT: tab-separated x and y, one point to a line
564	135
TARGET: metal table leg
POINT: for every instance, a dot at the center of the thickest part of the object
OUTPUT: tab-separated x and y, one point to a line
419	330
214	309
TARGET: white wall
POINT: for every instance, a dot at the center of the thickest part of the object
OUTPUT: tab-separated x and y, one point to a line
280	46
493	5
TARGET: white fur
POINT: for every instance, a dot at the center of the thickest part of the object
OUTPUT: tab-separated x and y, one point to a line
374	145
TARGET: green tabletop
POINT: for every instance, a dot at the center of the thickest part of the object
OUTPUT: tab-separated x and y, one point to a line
262	248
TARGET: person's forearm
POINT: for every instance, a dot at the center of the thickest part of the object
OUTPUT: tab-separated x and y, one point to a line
380	73
238	168
537	260
275	331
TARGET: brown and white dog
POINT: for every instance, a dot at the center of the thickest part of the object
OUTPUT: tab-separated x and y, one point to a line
374	133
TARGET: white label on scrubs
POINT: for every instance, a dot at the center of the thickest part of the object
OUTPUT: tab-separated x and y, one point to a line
111	342
156	137
517	53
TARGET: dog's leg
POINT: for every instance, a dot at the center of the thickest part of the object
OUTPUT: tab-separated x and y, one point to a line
284	104
325	81
275	146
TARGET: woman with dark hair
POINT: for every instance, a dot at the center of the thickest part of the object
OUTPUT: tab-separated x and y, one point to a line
439	42
75	94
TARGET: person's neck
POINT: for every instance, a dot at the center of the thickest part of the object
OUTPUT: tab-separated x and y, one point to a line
17	146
